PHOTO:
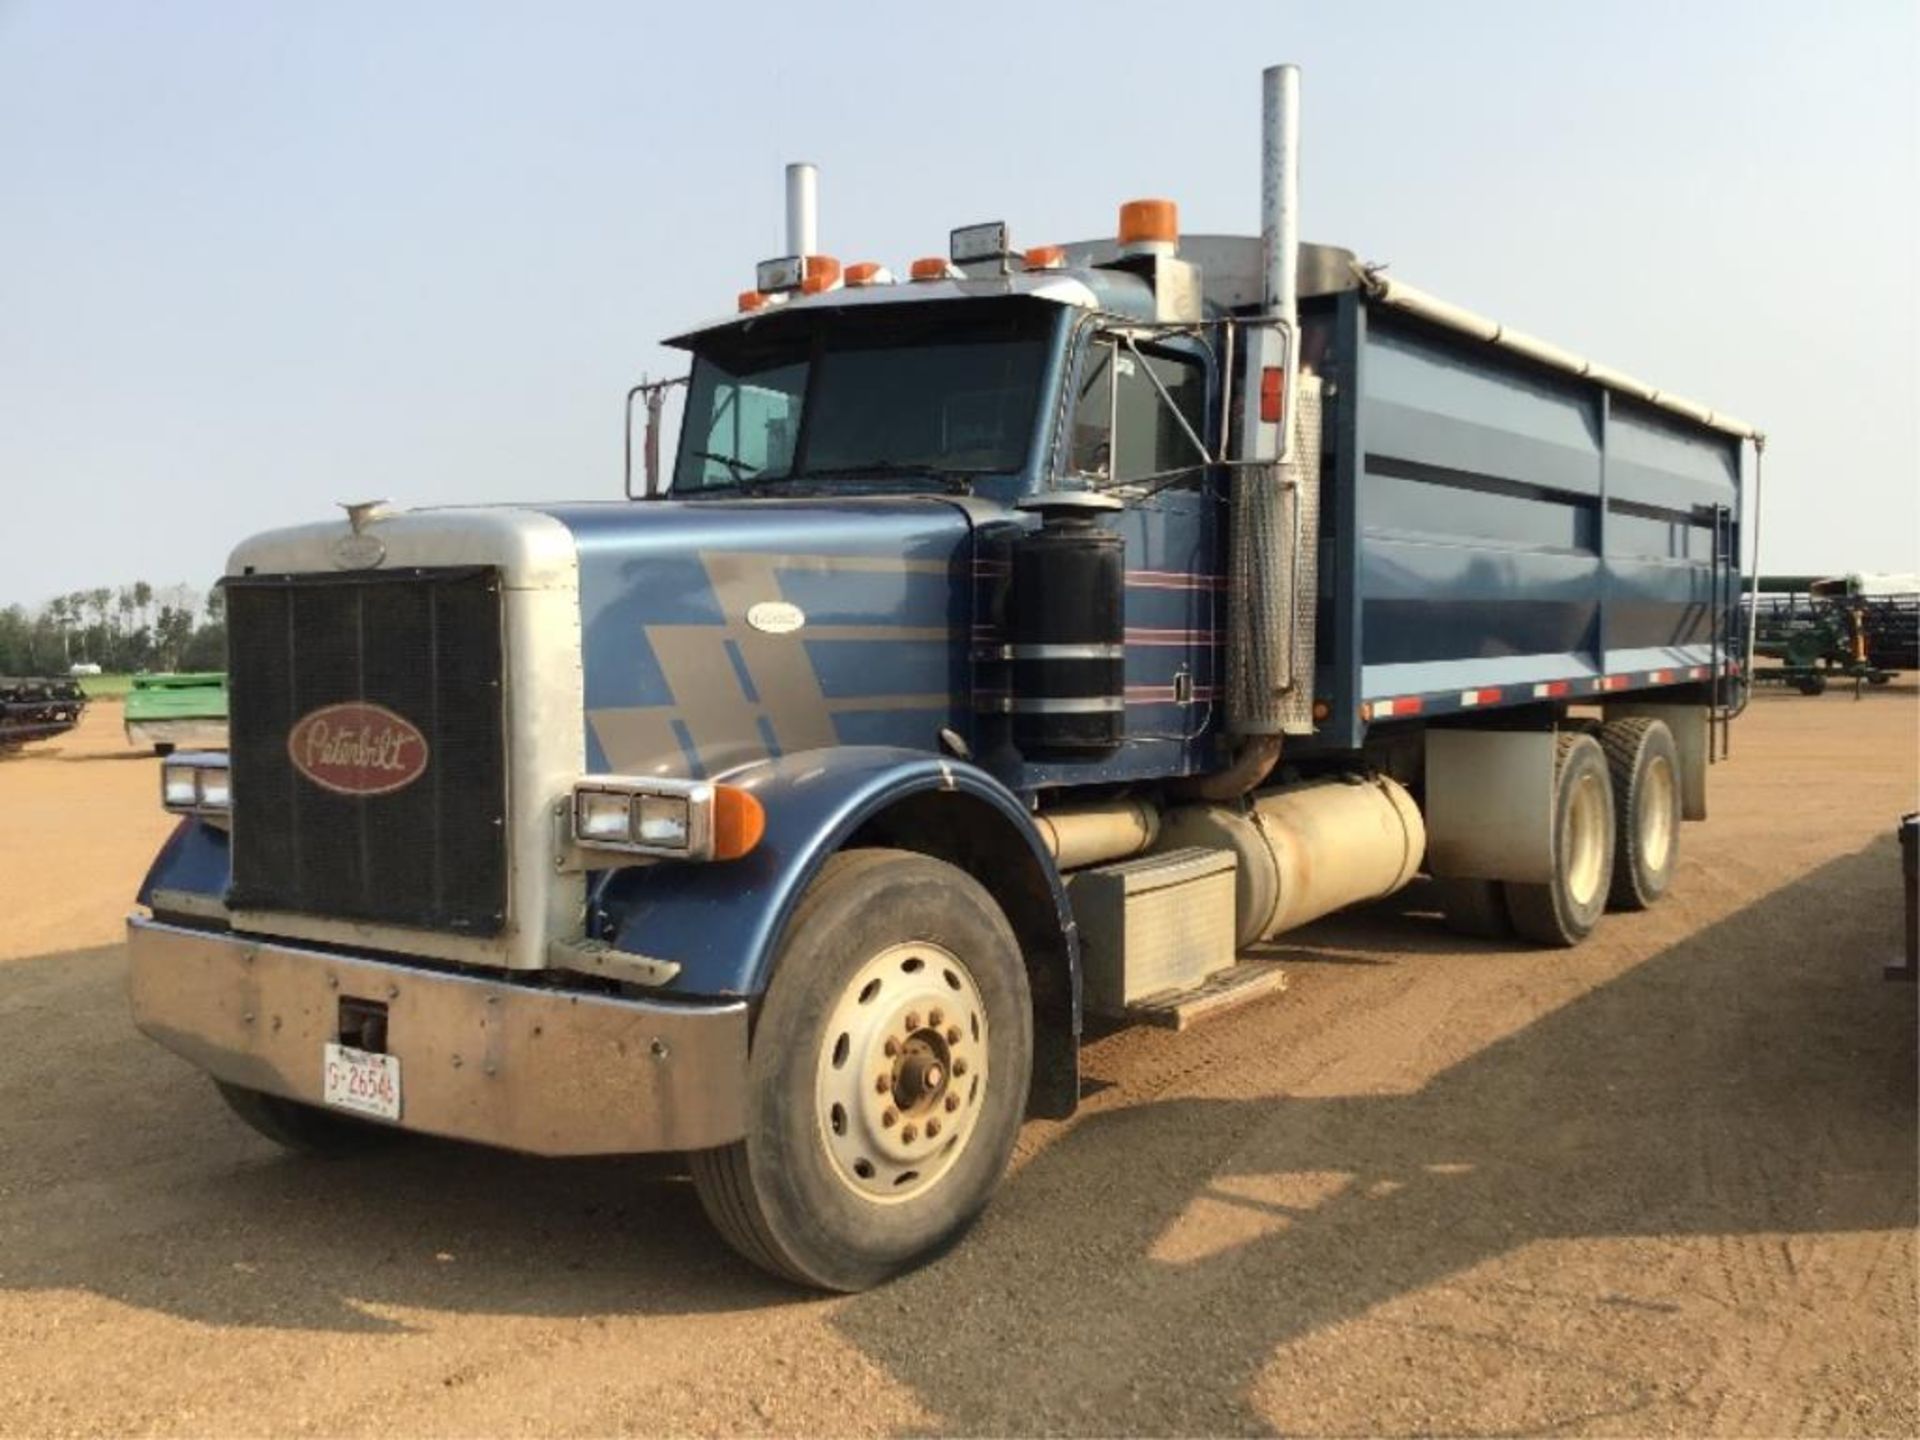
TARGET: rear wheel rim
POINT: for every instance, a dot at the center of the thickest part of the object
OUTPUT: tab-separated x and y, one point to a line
1656	814
1586	833
902	1072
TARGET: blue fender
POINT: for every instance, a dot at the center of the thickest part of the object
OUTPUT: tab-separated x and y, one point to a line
722	921
194	859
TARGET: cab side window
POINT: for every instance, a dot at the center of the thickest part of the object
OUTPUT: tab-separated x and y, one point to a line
1123	430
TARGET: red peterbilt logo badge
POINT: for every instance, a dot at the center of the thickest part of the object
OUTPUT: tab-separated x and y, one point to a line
357	749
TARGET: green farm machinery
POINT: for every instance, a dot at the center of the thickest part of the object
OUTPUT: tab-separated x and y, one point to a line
1840	628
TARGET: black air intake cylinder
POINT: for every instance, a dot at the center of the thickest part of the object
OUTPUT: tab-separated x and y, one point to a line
1067	623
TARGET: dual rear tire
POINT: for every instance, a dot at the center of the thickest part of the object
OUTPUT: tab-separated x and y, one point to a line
1615	837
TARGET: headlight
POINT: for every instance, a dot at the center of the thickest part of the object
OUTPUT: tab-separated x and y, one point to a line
663	820
179	789
196	784
670	819
216	792
602	815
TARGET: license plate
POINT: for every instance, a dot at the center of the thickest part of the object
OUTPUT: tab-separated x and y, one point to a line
363	1082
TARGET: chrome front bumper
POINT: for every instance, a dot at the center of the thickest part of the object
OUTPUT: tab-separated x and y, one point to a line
550	1072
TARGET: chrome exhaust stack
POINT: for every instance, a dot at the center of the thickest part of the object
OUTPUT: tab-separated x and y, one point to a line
1275	506
803	209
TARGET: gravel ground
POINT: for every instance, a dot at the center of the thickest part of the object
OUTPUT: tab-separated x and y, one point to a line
1663	1183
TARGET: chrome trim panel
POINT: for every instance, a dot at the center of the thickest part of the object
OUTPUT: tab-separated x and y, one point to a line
549	1072
545	715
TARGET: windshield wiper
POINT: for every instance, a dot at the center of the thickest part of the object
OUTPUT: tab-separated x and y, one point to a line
734	467
955	479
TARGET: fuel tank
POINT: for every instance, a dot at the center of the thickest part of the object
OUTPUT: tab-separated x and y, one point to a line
1308	849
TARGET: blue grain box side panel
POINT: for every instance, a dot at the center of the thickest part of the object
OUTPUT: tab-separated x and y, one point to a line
1490	522
1664	480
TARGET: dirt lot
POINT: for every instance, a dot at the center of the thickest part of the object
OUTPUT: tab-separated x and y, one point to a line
1664	1183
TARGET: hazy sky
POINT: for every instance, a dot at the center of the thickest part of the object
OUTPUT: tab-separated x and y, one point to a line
259	258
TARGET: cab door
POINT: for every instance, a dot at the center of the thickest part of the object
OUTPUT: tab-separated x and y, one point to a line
1143	429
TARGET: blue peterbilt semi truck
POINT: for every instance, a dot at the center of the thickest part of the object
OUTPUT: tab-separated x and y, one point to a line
1025	638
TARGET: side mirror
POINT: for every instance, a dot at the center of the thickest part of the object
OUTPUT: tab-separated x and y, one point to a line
654	393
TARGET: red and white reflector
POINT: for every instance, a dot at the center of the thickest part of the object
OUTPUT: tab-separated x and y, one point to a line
1610	682
1480	697
1552	689
1659	677
1391	709
1698	672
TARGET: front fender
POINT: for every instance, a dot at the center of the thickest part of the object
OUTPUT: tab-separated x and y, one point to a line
721	922
194	860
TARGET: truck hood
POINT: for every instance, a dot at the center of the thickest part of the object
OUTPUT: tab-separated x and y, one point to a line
718	633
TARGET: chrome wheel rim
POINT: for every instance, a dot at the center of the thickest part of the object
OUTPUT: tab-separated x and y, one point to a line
1586	834
1657	807
902	1072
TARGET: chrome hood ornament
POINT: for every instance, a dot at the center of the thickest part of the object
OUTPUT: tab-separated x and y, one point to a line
360	549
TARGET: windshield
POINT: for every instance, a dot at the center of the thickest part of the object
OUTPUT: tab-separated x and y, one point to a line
935	391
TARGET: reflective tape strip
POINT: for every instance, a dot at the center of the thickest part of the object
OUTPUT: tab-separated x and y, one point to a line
1659	677
1064	652
1066	705
1388	709
1479	697
1549	689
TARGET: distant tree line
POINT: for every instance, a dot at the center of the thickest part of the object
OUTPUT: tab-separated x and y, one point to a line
129	629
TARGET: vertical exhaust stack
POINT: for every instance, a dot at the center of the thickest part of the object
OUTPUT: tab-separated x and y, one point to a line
1275	514
1280	227
803	209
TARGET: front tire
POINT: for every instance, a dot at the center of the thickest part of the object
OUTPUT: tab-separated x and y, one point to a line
887	1076
1564	911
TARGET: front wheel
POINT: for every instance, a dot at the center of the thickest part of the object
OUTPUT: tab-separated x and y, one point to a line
888	1076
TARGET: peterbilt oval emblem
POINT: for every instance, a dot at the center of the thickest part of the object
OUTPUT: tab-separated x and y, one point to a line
359	551
776	617
354	748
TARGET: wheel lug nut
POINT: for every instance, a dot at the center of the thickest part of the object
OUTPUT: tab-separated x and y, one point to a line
909	1134
933	1128
913	1019
882	1084
892	1047
934	1018
953	1034
889	1119
953	1103
960	1066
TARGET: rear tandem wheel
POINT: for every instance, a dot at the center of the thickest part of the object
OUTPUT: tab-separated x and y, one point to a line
1564	910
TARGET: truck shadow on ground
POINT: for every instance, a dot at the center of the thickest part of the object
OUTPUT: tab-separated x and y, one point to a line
1755	1077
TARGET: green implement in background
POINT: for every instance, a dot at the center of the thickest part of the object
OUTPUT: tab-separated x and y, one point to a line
178	712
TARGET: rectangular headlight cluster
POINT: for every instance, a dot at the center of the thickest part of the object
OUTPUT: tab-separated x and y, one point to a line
196	784
671	818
